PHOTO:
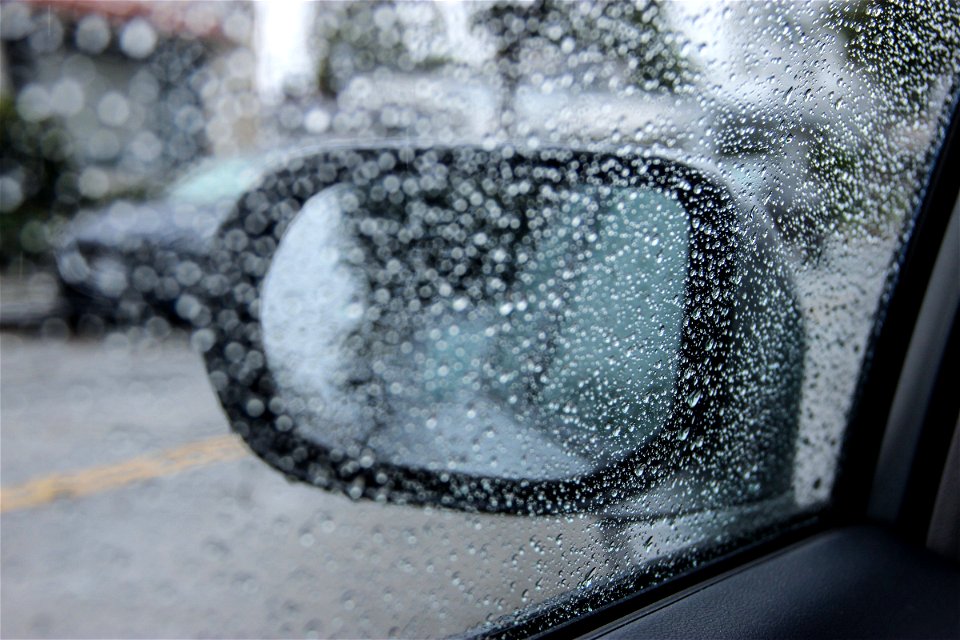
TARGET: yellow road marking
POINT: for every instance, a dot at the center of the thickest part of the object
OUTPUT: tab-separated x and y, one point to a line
87	482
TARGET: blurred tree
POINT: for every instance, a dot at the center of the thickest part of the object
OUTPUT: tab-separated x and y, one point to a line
906	52
44	153
631	43
906	48
34	157
360	37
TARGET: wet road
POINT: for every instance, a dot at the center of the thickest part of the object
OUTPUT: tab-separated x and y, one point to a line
130	511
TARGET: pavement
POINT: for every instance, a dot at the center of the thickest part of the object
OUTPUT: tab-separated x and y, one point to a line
128	510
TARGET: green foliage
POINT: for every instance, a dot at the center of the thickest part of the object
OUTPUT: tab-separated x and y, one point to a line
905	50
635	37
905	47
360	37
35	155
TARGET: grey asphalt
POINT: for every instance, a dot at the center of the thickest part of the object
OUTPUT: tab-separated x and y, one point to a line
229	548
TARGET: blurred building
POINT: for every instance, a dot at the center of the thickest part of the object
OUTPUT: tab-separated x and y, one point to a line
137	88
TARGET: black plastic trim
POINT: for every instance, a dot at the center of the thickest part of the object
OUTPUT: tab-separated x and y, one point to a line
894	324
854	582
937	432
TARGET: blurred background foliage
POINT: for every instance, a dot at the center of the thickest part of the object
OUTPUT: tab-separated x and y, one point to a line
145	111
634	41
607	44
904	52
353	38
904	47
34	158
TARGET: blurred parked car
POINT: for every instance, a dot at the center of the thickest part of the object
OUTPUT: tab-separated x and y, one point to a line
132	258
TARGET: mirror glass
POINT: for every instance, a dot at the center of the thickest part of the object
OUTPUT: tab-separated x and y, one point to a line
525	335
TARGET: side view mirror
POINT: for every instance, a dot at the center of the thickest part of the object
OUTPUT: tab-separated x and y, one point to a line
506	330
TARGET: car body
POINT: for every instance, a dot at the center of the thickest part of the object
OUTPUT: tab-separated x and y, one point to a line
132	258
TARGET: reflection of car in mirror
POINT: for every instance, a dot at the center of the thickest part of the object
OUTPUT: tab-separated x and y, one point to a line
507	330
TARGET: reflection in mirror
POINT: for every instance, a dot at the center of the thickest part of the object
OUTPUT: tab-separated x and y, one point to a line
525	337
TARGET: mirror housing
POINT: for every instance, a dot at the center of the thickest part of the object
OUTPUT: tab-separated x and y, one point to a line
734	407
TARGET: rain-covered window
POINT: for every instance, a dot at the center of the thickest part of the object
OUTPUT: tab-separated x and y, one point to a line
534	303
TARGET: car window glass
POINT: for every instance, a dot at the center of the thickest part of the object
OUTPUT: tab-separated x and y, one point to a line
819	121
215	181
